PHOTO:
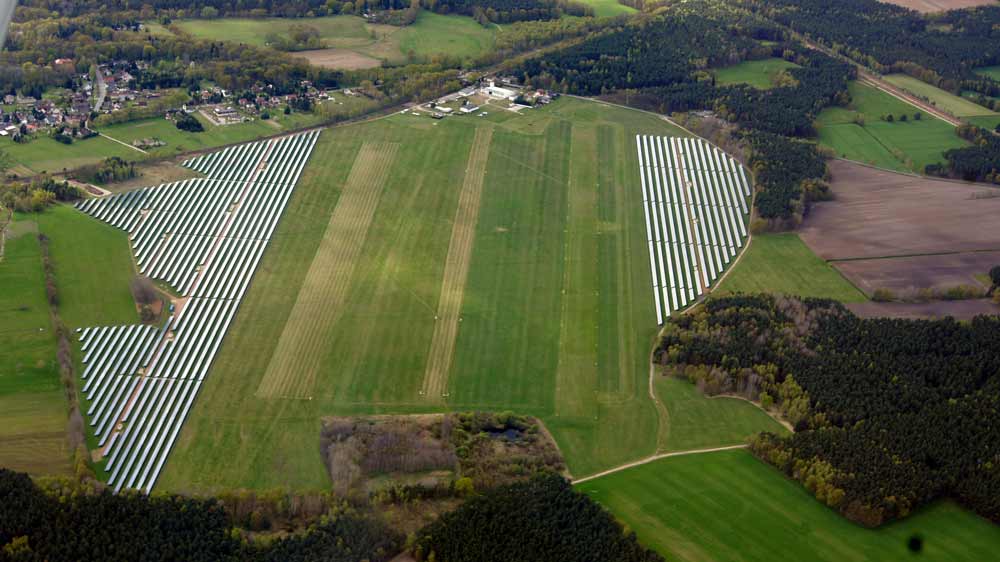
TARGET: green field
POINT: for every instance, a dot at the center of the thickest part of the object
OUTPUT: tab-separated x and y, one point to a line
728	506
757	73
783	264
555	319
92	267
214	135
991	71
46	155
859	133
604	8
431	35
698	422
956	105
32	406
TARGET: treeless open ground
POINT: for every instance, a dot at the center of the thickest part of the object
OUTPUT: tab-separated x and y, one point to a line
959	310
928	6
882	214
919	272
339	58
896	231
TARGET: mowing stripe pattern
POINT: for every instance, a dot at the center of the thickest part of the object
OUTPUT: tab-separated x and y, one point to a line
205	238
302	348
695	203
456	269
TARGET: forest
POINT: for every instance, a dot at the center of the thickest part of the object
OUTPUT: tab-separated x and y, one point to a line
662	63
541	520
77	522
500	11
889	414
978	162
889	38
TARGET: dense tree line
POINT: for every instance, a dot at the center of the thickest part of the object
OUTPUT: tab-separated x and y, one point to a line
500	11
663	64
890	414
783	168
26	64
36	195
888	38
541	520
87	523
980	161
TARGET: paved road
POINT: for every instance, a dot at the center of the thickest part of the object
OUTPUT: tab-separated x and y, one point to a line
102	90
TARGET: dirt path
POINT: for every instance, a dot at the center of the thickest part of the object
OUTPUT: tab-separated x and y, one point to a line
136	148
652	458
456	269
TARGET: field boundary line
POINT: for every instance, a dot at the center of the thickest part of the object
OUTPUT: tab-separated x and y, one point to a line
297	357
916	255
456	269
657	457
123	144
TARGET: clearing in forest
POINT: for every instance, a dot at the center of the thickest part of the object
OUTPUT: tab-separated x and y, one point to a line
299	354
861	131
456	269
762	74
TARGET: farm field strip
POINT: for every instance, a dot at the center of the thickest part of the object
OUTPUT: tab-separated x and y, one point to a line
456	270
204	237
695	200
299	355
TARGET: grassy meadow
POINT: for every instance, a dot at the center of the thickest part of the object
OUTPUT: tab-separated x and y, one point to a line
956	105
92	267
555	318
728	506
605	8
858	132
698	422
783	264
431	35
757	73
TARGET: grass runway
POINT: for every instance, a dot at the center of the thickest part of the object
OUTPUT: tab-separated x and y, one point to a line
556	317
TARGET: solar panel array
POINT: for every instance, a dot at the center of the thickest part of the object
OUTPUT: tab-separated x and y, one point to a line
204	237
695	202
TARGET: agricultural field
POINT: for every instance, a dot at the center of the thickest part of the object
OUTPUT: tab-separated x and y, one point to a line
860	133
535	299
607	8
92	270
32	406
352	43
878	215
956	105
696	421
44	154
783	264
179	141
991	71
713	506
757	73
